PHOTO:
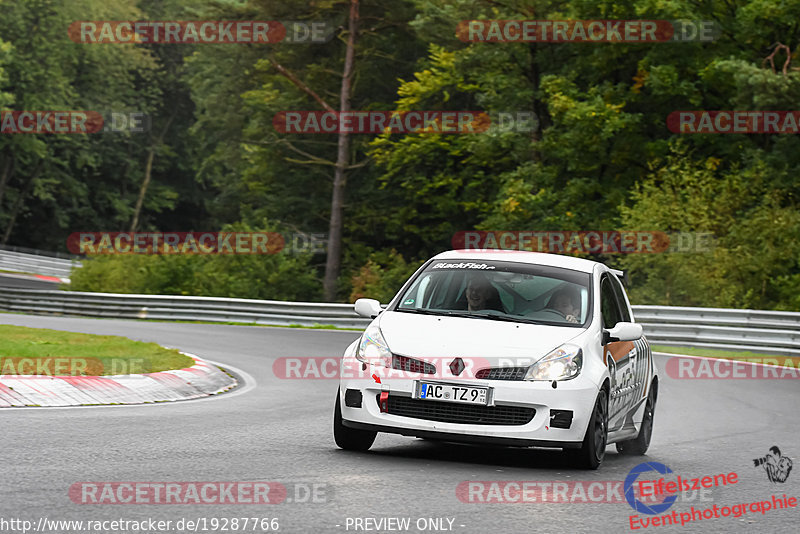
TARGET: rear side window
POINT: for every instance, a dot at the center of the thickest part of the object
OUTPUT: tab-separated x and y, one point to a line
619	292
608	304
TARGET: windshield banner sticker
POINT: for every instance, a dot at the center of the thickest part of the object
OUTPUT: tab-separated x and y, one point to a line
463	265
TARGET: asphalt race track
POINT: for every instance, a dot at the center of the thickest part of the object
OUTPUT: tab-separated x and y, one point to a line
280	430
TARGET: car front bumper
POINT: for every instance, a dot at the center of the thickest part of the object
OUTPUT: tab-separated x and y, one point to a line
577	396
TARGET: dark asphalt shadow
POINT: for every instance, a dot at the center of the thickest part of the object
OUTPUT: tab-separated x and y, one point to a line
531	458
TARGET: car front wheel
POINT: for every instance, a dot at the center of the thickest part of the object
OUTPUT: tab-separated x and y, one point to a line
593	449
639	445
350	439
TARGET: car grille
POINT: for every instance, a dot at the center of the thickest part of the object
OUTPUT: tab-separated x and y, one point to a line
411	365
502	373
450	412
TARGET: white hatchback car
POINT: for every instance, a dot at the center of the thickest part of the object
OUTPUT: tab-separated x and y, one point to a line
502	347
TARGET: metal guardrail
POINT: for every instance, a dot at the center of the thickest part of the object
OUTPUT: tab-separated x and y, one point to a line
766	332
36	264
178	308
39	252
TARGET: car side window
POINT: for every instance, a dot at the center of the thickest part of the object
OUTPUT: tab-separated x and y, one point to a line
620	294
609	308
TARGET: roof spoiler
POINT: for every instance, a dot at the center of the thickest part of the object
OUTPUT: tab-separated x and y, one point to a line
622	275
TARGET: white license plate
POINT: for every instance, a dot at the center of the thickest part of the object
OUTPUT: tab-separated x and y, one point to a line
453	393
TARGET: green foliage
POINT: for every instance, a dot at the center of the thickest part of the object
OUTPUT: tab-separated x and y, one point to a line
280	276
441	183
273	277
381	277
602	157
754	260
59	184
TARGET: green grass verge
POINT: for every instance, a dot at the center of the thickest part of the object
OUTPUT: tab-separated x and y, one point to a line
232	323
54	352
789	361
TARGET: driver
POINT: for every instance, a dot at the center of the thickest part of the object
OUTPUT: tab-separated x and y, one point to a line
482	295
566	302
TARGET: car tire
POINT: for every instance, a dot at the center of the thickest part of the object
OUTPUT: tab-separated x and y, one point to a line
593	449
350	439
639	445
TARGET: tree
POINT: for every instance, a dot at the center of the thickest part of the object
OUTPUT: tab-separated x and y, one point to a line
299	180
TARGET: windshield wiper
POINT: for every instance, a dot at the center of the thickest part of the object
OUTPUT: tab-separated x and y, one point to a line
448	313
423	311
478	315
507	318
469	315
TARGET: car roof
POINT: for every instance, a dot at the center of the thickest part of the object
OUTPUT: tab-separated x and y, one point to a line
521	256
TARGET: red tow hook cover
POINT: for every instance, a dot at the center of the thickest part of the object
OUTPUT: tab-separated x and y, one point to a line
384	402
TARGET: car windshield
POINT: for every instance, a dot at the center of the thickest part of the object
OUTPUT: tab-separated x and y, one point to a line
498	290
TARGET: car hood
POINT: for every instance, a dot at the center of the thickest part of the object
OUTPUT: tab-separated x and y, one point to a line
428	337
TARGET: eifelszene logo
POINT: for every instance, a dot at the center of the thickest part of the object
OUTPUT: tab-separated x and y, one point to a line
630	495
777	467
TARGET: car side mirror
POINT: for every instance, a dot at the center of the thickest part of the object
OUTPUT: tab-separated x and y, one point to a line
623	332
368	308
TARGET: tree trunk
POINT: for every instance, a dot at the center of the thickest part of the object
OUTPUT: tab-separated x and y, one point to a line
5	177
20	202
334	258
148	172
535	78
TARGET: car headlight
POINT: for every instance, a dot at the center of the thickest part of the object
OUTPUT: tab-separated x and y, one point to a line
561	364
372	348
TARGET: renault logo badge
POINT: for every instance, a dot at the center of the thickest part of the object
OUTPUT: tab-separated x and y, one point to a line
456	366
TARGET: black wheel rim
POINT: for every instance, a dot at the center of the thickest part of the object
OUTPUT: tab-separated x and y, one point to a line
600	427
